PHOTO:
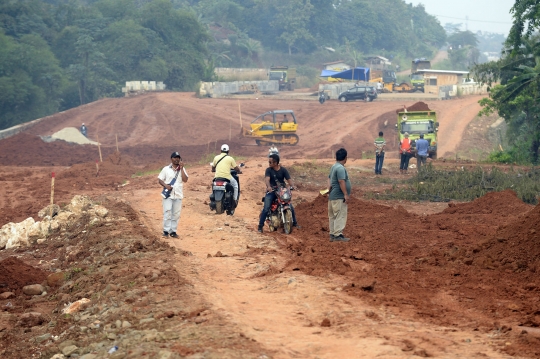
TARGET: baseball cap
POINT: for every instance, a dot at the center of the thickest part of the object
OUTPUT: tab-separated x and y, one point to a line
175	154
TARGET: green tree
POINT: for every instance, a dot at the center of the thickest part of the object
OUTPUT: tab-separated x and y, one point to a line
30	79
184	41
517	97
291	21
462	38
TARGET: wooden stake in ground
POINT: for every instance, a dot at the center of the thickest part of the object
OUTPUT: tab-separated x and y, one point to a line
230	130
240	113
99	148
52	193
117	143
97	168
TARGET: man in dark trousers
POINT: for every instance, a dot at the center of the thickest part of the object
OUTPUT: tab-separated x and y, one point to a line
379	143
339	189
275	171
422	148
84	130
405	153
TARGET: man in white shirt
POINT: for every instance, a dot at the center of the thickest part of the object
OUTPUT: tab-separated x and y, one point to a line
172	205
273	150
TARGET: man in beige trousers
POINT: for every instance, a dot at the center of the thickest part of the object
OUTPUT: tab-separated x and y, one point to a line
339	188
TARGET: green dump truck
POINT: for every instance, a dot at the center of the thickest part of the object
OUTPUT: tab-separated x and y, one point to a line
417	79
285	75
417	123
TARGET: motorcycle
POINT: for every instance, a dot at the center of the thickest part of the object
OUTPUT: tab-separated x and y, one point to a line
280	214
322	98
222	197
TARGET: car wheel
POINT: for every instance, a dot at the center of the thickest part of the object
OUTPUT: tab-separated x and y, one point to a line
343	99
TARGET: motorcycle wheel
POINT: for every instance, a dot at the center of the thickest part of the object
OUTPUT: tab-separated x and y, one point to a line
219	207
230	212
287	226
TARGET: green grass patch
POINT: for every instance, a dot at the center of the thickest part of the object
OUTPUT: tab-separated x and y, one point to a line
146	173
465	185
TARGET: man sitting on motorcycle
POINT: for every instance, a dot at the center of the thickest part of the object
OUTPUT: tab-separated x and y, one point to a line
222	164
275	171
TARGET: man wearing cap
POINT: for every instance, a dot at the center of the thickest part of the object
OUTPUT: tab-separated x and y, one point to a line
405	152
84	129
422	147
223	164
172	205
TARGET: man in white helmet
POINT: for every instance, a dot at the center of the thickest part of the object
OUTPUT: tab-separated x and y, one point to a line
223	164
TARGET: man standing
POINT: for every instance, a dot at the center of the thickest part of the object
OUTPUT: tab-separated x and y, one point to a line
379	153
84	130
273	173
172	205
422	147
339	188
223	164
273	150
405	152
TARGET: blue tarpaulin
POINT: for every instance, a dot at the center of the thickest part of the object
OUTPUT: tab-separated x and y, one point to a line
359	73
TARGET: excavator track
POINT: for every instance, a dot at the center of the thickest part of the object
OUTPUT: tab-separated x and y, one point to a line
289	139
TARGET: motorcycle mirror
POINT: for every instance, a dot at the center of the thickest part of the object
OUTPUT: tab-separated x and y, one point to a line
242	164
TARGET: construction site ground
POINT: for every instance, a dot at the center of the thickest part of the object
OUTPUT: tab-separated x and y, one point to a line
417	279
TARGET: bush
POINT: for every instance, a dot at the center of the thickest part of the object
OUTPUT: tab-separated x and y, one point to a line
466	185
500	157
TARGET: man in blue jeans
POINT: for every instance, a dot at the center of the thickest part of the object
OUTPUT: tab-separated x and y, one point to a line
422	147
274	172
379	153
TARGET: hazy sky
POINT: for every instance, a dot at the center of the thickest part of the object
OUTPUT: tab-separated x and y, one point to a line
484	15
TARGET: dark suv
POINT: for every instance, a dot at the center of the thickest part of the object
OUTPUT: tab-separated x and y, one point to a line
367	93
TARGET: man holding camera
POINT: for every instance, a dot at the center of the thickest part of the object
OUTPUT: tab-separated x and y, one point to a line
172	204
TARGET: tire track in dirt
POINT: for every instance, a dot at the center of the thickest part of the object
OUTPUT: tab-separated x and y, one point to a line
284	311
453	122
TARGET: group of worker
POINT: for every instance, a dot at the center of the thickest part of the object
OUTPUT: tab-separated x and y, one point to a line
339	185
421	152
405	150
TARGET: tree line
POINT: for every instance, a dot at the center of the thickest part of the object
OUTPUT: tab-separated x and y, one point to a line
515	85
58	54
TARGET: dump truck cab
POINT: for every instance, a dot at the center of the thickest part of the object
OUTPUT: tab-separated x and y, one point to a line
285	76
416	123
417	81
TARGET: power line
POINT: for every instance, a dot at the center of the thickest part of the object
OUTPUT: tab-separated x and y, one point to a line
466	19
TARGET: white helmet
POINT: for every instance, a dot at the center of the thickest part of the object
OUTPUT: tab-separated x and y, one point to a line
224	148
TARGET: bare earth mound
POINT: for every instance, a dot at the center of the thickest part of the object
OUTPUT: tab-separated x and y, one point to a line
15	274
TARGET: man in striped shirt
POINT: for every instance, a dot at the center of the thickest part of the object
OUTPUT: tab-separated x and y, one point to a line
379	153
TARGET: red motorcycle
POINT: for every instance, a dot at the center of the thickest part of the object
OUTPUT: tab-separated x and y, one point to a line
280	214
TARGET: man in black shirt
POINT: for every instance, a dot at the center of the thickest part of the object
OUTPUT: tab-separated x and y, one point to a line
275	171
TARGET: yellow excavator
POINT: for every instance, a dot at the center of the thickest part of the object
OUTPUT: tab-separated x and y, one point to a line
273	127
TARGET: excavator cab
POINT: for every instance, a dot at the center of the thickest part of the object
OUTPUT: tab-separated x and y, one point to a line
273	127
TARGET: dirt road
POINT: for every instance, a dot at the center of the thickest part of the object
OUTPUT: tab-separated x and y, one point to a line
284	312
